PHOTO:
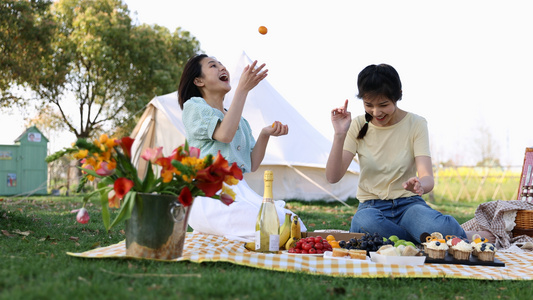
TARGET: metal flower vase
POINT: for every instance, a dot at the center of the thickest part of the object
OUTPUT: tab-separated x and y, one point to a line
157	227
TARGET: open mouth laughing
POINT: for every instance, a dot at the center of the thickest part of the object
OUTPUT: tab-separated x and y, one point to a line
224	77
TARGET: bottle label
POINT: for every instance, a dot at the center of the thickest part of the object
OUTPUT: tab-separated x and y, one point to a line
266	200
257	240
274	243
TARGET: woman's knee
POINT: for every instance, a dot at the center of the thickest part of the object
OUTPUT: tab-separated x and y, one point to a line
427	219
365	218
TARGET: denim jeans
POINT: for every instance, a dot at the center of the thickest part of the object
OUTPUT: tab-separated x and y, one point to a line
406	218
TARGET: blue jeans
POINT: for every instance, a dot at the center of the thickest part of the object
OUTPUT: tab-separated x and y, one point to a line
406	218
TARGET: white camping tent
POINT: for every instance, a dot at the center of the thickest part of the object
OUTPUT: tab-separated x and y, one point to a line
298	160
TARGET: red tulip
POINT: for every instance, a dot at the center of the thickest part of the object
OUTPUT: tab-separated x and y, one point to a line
210	179
82	216
122	186
185	197
177	154
126	143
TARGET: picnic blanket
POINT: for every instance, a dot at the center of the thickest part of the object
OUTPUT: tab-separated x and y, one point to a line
498	217
209	248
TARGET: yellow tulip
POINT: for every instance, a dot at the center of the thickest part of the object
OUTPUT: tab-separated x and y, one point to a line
230	180
81	154
103	138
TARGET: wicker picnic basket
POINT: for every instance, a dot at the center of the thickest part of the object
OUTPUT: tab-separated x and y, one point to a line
524	223
524	218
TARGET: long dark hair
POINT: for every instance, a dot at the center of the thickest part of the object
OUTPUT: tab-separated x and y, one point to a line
375	81
187	89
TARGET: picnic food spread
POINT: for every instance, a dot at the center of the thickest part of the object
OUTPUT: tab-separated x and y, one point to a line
436	248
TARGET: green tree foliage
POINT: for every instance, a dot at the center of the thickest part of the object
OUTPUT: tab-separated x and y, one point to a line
26	30
160	57
109	67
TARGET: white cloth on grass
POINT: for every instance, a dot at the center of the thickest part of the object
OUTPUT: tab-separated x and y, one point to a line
236	221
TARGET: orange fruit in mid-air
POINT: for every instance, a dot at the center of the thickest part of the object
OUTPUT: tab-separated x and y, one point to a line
263	30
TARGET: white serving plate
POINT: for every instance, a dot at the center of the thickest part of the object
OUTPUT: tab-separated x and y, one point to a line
300	254
397	260
329	254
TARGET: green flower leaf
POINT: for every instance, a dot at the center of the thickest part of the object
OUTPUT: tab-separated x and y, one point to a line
125	209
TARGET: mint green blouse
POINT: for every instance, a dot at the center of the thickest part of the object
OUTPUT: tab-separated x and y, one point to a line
200	120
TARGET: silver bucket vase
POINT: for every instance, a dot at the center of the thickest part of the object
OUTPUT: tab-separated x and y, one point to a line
157	227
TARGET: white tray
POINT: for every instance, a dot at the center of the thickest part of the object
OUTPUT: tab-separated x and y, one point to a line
397	260
329	254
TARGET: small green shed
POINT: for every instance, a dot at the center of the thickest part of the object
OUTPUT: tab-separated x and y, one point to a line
23	169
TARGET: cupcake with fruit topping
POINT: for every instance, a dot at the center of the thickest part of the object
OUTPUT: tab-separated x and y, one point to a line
454	241
462	250
485	251
449	239
436	248
476	241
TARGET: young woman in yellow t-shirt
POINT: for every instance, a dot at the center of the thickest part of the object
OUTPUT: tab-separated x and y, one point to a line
392	146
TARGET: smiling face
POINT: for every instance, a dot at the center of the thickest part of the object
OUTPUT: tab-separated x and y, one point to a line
215	78
384	111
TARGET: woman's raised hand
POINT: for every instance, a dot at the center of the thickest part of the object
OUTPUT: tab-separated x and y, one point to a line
341	118
251	76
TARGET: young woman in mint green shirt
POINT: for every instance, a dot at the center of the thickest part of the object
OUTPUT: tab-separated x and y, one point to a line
212	128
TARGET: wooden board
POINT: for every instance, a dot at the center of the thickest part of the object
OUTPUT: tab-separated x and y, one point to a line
448	259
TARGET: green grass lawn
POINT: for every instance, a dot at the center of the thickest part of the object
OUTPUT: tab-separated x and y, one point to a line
37	232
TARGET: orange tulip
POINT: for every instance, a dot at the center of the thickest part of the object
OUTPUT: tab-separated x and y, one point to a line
113	199
122	186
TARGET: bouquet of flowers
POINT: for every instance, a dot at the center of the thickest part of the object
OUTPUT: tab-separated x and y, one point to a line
183	174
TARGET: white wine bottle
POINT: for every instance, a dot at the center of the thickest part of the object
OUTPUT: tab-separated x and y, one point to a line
267	224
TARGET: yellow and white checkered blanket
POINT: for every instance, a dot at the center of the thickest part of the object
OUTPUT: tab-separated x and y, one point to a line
208	248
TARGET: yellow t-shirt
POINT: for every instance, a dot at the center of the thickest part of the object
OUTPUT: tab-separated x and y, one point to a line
387	155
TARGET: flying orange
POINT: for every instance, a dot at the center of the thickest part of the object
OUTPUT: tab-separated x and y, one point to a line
263	30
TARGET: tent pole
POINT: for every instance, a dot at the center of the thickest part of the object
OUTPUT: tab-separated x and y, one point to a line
317	185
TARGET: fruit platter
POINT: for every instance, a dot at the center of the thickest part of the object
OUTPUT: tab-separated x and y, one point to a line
311	245
387	250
